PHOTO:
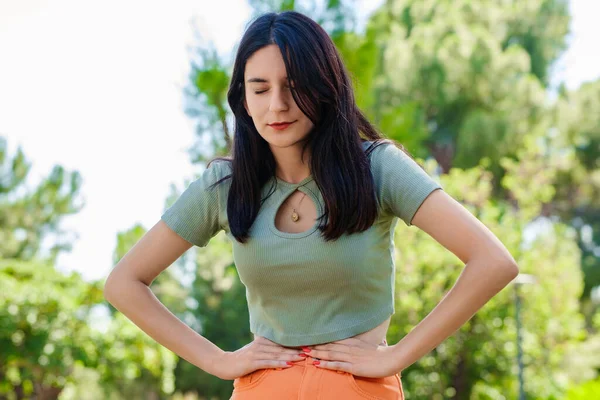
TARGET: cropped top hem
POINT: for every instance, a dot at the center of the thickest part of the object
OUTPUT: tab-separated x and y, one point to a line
291	339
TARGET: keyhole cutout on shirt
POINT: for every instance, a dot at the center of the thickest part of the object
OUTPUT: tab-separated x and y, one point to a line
307	212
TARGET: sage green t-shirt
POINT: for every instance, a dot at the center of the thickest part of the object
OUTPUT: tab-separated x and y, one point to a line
300	289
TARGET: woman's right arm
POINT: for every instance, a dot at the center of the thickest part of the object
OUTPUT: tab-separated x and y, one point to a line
127	288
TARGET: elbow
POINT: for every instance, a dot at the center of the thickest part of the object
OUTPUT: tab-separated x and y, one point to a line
511	269
107	290
505	264
514	268
110	290
118	284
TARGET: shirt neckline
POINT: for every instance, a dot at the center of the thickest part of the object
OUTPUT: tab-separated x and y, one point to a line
289	188
294	185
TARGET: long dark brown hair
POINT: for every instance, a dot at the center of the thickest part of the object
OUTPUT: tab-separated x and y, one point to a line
323	91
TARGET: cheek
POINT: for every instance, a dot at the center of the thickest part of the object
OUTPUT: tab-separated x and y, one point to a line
255	106
308	124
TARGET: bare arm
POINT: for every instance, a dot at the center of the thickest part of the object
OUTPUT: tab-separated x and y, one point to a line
127	289
489	268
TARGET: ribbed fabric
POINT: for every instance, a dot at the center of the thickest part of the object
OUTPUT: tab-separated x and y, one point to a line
300	289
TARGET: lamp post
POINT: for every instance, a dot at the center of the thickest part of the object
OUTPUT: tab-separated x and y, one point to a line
521	279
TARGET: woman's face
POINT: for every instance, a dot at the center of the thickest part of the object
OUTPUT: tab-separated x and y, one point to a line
269	99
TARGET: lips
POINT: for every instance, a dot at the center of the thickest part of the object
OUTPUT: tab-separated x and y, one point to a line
281	123
280	127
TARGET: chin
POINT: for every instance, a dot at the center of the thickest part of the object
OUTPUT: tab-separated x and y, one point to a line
282	139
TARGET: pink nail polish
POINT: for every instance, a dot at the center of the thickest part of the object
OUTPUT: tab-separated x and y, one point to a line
316	362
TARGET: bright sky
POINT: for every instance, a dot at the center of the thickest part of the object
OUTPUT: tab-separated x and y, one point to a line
96	87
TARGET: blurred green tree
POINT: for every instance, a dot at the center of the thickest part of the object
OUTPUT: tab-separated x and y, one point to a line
577	133
28	217
471	74
43	328
48	330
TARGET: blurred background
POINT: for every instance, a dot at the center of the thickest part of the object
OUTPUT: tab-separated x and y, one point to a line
108	110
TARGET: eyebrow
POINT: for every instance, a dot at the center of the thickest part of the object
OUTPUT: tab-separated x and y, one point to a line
261	80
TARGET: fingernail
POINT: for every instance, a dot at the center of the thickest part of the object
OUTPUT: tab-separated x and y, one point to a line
316	362
303	355
289	363
306	349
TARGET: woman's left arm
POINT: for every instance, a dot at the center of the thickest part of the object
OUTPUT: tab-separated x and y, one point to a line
489	268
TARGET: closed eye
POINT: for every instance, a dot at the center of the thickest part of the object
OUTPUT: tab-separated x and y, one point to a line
262	91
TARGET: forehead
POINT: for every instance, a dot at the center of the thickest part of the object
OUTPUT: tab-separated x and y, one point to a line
265	65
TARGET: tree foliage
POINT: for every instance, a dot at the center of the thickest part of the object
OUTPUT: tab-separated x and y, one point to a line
28	217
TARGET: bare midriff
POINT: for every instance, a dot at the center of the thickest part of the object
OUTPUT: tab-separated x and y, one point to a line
375	336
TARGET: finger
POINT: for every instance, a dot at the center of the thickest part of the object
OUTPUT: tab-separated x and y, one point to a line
334	365
278	356
273	364
331	355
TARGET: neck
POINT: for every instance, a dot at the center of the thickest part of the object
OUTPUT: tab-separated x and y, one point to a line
290	168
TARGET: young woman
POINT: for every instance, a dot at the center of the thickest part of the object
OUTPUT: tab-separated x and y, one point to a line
309	196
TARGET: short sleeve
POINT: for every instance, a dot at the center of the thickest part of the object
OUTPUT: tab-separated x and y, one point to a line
402	184
195	214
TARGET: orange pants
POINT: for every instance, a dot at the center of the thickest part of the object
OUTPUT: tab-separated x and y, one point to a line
305	381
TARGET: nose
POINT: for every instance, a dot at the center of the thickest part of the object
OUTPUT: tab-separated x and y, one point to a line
278	100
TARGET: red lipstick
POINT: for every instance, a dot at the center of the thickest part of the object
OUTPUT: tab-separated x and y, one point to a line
281	126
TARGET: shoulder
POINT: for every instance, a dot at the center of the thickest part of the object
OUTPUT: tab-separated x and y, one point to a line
220	166
384	153
401	182
211	181
216	170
